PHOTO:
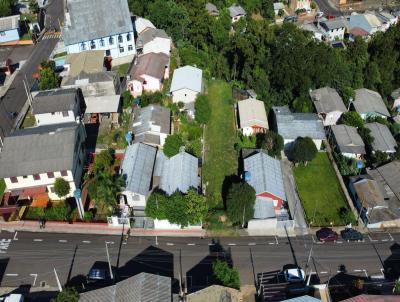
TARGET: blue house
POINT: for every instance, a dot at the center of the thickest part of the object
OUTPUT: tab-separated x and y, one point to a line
9	29
100	25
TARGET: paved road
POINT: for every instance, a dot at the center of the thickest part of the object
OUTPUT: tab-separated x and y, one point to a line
29	258
327	7
15	98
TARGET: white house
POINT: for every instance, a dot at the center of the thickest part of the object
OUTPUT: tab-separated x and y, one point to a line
333	29
151	125
347	141
252	116
9	28
187	84
236	12
153	40
142	24
57	106
98	24
137	171
329	105
148	73
33	158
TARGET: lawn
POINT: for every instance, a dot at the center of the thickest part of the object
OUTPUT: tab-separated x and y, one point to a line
220	136
320	192
29	120
122	69
2	188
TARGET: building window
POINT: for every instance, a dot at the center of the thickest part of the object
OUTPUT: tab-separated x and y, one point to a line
50	174
128	37
83	46
65	113
93	45
64	173
2	33
52	190
111	40
120	40
121	49
130	47
14	179
25	176
36	176
108	53
101	42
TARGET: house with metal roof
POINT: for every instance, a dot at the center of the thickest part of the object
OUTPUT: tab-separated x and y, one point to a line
294	125
137	171
9	28
177	173
252	116
369	103
347	141
383	138
103	109
395	99
236	12
142	24
367	21
58	106
143	287
211	9
329	105
32	159
264	174
95	24
215	293
333	29
151	125
186	85
148	74
153	40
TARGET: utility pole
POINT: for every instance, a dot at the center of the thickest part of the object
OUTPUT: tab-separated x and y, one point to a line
58	280
109	263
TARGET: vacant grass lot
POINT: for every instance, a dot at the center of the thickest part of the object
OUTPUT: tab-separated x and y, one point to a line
220	137
321	194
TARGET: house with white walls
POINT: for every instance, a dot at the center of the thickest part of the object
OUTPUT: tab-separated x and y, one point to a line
333	30
252	117
329	105
97	25
236	12
187	84
58	106
33	158
148	73
9	28
153	40
347	141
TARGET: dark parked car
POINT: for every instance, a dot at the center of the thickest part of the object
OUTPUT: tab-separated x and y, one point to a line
289	19
351	235
327	234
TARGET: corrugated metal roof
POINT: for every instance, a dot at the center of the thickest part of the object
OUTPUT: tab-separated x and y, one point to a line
152	64
368	101
252	113
265	174
264	208
348	140
94	19
327	99
236	10
333	24
187	77
293	125
137	167
383	138
150	34
102	104
152	115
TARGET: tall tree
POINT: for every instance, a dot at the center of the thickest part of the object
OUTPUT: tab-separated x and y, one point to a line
225	274
172	145
272	142
303	150
240	203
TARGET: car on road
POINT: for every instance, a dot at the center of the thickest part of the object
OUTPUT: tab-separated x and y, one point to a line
327	234
289	19
350	234
294	274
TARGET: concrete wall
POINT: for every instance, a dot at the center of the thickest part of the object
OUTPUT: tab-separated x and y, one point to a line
54	118
335	34
9	35
166	225
134	199
184	95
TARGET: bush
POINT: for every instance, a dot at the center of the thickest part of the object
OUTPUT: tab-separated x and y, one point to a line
353	119
54	211
203	109
151	98
172	145
61	187
127	99
240	203
304	150
226	275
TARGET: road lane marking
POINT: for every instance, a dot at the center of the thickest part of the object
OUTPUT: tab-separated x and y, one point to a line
211	244
231	244
191	244
312	236
4	245
170	243
339	242
391	237
276	240
320	242
62	240
35	277
357	270
323	272
251	243
385	240
86	241
110	242
271	243
15	235
12	275
365	272
38	240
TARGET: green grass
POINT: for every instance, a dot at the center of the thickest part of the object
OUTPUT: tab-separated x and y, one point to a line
122	69
220	136
60	54
26	36
321	194
29	121
2	188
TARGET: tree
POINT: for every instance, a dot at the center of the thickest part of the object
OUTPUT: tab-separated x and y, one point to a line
127	99
61	187
303	150
272	142
302	104
103	161
172	145
196	207
203	109
378	158
365	134
67	295
396	289
6	7
353	119
34	6
268	9
240	203
281	13
226	275
48	79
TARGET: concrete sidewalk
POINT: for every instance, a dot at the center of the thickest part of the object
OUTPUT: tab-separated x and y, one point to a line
92	228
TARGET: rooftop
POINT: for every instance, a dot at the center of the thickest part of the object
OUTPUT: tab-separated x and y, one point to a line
215	293
368	191
137	167
293	125
383	138
188	77
41	149
142	24
10	22
212	9
236	10
252	112
333	24
327	100
56	100
94	19
152	64
367	101
150	34
102	104
86	62
348	140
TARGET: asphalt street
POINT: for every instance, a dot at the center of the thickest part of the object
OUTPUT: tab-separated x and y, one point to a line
15	98
327	7
30	258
